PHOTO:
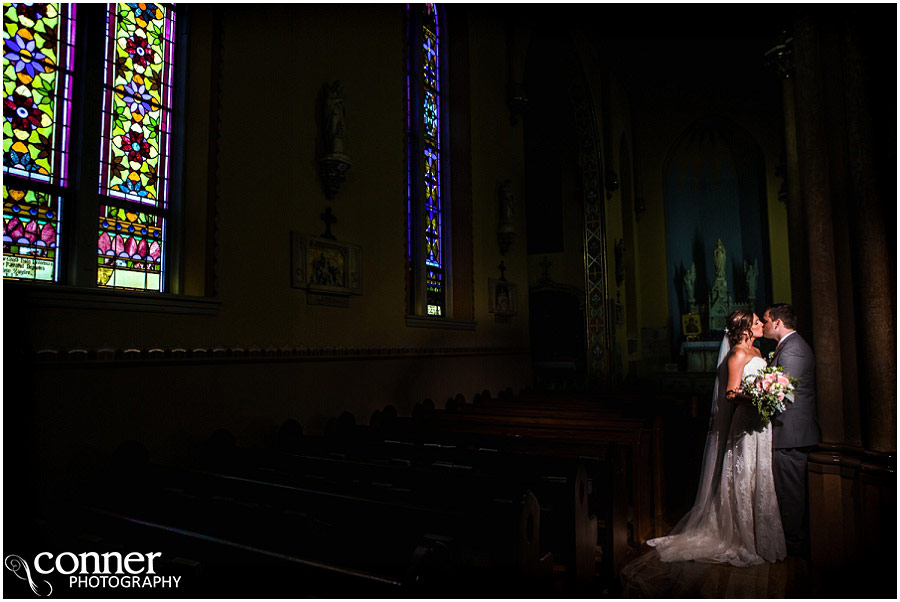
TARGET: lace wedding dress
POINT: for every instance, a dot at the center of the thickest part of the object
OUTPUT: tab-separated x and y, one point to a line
735	517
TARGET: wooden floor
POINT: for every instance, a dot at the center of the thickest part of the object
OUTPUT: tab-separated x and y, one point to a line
789	578
786	579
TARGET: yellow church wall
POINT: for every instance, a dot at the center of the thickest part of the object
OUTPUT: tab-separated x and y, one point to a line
497	155
267	187
196	143
780	268
620	127
371	205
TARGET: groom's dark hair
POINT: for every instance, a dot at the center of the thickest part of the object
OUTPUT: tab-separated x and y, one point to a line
785	313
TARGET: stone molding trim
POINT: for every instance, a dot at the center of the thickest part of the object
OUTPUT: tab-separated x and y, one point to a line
104	299
238	355
442	323
848	460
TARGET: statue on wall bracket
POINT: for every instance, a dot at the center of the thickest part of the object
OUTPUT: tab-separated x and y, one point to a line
334	163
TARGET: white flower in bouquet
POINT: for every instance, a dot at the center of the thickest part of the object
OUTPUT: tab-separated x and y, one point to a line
769	389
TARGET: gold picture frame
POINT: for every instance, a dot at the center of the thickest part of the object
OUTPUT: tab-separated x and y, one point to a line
691	327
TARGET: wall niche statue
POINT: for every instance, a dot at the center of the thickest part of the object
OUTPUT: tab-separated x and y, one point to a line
690	281
335	163
751	273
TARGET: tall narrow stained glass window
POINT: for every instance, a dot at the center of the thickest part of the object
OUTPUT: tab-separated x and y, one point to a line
425	202
38	57
136	146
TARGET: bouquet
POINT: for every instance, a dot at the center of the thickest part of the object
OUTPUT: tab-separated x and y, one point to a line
769	388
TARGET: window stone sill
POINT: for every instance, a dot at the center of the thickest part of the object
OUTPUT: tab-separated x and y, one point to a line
442	323
98	299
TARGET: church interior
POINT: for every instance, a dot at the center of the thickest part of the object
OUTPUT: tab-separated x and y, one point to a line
469	348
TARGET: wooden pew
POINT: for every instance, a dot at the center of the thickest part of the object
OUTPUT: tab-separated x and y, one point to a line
408	440
646	456
392	468
548	437
354	448
382	540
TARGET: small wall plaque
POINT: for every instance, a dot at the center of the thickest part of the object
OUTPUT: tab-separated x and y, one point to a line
502	298
325	267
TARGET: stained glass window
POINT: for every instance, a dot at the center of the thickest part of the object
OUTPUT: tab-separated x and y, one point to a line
38	55
130	247
424	121
30	234
136	146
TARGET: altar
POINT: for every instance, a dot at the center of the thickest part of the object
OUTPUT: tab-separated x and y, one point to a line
701	355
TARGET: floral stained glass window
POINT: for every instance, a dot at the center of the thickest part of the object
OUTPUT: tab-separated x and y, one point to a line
424	116
38	55
136	146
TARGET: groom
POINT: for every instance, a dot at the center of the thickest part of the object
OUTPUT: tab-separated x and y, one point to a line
795	431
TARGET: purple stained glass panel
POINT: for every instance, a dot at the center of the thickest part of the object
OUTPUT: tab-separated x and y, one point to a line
38	57
135	145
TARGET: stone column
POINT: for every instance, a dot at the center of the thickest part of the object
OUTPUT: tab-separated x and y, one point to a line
852	491
871	261
816	194
781	58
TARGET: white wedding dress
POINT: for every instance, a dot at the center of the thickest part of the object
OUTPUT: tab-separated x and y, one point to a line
735	517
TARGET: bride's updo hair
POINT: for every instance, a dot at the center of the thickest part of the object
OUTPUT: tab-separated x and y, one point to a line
737	324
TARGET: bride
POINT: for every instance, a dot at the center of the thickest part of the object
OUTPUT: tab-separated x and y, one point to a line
735	516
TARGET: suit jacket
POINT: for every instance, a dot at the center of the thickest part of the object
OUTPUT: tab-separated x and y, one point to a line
797	426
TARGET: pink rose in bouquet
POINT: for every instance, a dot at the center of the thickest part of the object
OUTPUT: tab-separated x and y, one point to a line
768	389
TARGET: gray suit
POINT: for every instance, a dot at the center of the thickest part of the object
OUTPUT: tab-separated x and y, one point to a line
794	432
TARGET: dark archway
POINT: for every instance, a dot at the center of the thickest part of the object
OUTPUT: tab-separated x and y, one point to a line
564	200
715	188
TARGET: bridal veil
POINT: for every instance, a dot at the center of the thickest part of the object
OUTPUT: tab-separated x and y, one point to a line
653	574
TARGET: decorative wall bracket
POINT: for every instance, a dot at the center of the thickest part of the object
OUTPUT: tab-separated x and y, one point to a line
333	171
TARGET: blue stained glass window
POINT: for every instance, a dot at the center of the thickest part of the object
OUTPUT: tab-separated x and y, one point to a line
424	193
